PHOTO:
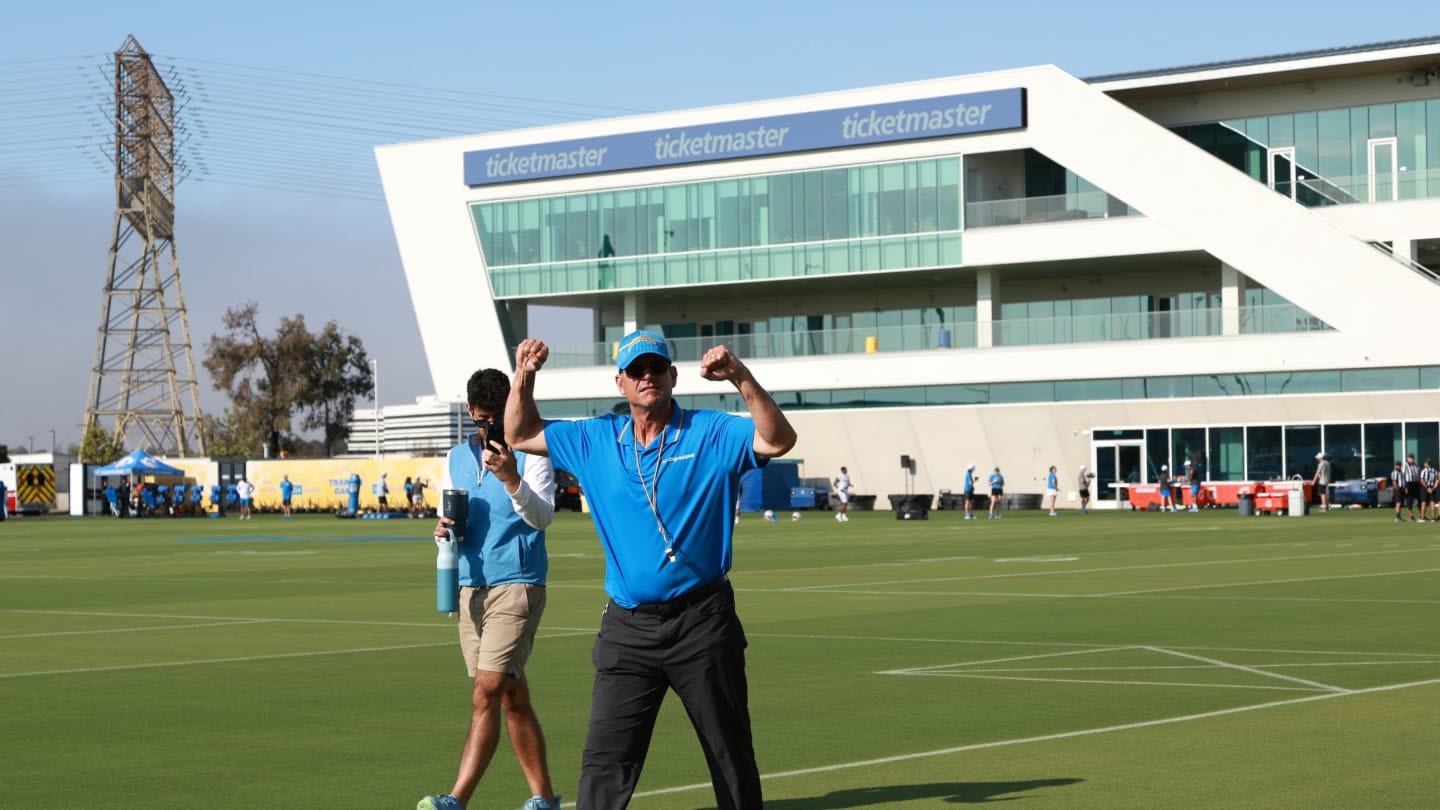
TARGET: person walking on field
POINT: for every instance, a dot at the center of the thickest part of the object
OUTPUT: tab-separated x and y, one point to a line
1085	478
503	566
662	481
842	491
1052	489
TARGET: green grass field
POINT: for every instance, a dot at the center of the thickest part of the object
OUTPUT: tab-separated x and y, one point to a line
1087	661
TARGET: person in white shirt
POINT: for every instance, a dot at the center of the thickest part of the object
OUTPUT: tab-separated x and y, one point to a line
842	491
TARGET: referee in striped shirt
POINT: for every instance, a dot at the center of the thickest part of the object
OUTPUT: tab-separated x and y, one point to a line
1410	478
1429	477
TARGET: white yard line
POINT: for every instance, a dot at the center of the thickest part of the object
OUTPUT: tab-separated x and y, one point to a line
983	677
1112	569
1090	644
130	629
1267	582
967	664
1064	735
236	660
1242	668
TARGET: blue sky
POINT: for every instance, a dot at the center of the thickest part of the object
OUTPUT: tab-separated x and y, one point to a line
332	258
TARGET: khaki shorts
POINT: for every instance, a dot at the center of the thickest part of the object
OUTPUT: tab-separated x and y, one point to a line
497	626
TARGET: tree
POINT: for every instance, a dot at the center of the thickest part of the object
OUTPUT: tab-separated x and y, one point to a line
230	437
98	446
339	373
272	379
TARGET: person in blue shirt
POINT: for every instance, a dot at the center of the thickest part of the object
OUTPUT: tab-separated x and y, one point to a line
503	566
997	493
661	481
1052	489
287	489
970	492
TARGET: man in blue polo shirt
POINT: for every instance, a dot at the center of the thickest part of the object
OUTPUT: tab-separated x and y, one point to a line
661	481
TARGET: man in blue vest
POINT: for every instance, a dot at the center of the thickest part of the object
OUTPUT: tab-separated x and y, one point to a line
503	565
661	481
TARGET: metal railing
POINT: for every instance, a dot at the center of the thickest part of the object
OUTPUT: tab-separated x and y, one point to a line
1055	208
1268	319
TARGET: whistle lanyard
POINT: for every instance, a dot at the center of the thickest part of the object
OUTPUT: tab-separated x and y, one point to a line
652	488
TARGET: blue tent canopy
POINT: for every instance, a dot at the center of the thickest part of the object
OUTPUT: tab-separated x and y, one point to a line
139	462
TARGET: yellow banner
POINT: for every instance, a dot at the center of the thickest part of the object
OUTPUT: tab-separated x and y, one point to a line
324	484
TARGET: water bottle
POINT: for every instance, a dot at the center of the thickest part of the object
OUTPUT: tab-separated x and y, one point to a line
454	504
447	575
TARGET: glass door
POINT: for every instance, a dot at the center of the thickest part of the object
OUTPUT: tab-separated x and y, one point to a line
1384	169
1115	463
1282	170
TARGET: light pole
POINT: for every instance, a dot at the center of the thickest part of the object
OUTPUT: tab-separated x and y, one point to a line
30	445
52	443
375	395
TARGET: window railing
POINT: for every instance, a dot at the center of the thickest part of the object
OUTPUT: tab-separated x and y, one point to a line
895	252
1363	188
1057	208
1269	319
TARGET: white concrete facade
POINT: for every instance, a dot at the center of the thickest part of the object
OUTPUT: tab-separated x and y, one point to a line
1229	228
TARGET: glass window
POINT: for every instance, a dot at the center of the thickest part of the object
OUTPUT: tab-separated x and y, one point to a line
1188	444
1380	379
1303	382
1302	442
957	394
1264	457
1422	439
1077	390
1342	447
1157	453
1227	454
1382	448
1022	392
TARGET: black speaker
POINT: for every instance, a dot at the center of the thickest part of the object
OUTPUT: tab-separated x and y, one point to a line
904	462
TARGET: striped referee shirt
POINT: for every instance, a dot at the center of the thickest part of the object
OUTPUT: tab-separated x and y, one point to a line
1429	476
1409	473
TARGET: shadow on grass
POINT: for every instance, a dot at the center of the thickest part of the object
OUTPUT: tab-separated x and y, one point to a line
949	792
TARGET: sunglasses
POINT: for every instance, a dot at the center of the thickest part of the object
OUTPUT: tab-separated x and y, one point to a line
654	366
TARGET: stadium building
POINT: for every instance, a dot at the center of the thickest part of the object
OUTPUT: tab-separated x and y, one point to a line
1232	264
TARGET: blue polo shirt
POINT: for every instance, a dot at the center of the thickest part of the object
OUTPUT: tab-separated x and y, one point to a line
695	490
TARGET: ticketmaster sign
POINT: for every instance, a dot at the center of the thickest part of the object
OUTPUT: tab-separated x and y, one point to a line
967	114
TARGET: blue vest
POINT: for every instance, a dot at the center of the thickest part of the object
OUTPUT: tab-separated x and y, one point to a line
499	546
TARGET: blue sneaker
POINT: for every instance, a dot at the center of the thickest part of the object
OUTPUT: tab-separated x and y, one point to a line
537	803
445	802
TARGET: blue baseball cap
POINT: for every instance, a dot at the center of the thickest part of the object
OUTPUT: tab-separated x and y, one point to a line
638	343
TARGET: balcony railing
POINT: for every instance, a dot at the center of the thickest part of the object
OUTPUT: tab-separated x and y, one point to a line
1057	208
1275	318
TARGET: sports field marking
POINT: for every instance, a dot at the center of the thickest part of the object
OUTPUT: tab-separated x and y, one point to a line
1111	569
1242	668
1290	581
250	658
1111	682
1177	667
129	629
438	624
236	660
1064	735
965	669
1007	660
1045	559
1088	645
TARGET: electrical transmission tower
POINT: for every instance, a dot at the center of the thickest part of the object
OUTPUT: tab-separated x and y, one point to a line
144	372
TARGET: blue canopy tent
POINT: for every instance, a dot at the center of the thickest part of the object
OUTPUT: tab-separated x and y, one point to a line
138	462
769	487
